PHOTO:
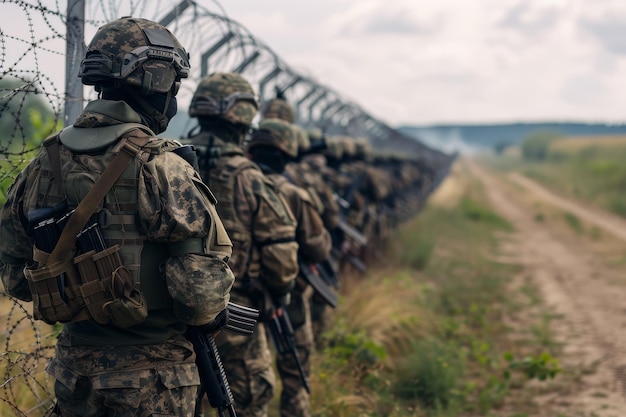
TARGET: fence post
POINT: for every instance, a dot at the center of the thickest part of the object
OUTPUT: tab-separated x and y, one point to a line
74	53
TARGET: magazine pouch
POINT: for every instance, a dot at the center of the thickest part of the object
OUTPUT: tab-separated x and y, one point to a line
55	289
108	289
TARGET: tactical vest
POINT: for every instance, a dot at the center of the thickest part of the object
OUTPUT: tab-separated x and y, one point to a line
117	213
245	261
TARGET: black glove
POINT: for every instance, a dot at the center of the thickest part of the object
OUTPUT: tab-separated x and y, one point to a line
217	323
281	297
283	300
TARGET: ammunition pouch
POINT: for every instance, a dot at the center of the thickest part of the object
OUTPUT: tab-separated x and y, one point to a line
55	289
93	285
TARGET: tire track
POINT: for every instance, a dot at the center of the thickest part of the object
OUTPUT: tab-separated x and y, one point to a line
575	285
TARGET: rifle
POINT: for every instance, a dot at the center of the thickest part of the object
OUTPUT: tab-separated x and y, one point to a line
279	325
313	275
344	229
348	230
328	273
239	319
354	260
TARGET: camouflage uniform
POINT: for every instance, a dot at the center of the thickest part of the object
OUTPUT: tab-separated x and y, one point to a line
314	246
149	368
345	184
261	228
308	174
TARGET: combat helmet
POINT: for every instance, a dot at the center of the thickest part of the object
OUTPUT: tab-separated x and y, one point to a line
348	145
278	108
333	148
277	133
303	138
363	148
226	95
137	52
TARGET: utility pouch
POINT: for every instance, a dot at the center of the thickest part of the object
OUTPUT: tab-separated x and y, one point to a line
53	288
129	310
108	289
128	307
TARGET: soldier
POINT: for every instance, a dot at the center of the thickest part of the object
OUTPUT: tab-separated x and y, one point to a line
259	223
122	350
278	108
346	185
272	146
305	171
375	187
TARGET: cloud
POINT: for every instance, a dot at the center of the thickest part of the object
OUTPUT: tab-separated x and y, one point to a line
425	61
607	30
583	88
530	19
397	22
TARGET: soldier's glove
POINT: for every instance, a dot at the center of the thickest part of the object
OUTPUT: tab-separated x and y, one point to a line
281	297
217	323
283	301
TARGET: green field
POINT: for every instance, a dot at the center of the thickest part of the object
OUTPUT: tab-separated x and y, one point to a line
591	169
437	331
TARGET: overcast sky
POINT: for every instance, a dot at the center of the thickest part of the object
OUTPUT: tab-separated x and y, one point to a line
425	61
439	61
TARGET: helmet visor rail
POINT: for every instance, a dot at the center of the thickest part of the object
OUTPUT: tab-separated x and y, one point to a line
210	105
137	56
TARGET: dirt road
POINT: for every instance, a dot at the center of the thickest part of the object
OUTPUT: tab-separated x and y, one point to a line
587	293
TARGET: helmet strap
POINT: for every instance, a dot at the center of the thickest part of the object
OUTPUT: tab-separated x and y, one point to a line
155	119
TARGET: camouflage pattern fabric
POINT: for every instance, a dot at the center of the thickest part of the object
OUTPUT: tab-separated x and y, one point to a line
100	369
313	239
248	365
294	400
256	217
315	244
321	317
262	230
107	56
279	109
228	96
132	380
277	133
307	174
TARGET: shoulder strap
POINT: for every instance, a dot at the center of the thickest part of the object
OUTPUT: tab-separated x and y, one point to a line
86	207
52	148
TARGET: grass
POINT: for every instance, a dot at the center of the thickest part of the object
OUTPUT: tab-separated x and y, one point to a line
28	347
435	331
589	168
429	334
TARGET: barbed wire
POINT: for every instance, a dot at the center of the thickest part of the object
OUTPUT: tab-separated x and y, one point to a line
33	98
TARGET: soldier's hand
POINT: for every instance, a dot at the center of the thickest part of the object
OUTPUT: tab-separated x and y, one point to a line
283	300
215	325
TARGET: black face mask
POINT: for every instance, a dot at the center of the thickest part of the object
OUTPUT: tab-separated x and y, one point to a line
151	108
157	101
154	113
